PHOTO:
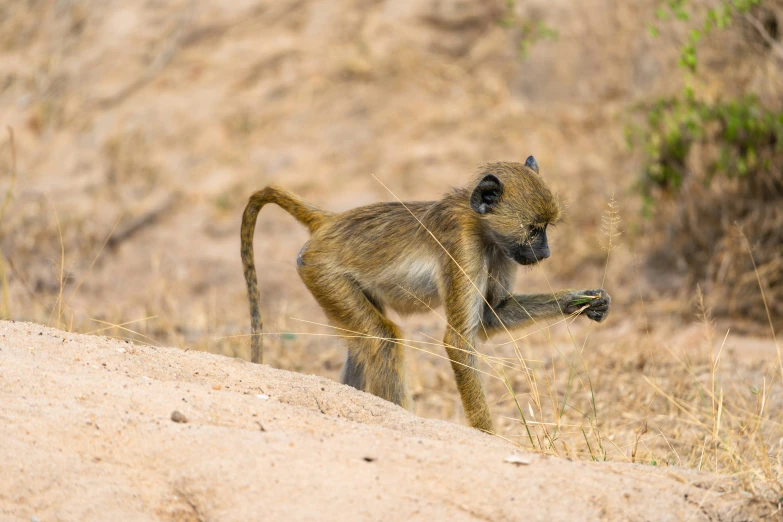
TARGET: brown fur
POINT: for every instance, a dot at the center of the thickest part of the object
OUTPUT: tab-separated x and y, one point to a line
412	256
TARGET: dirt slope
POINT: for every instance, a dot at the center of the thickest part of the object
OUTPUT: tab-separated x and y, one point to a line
86	435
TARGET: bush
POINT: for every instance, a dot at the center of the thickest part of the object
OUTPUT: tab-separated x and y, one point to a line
713	173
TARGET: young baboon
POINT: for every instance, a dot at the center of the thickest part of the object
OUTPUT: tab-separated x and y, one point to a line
460	251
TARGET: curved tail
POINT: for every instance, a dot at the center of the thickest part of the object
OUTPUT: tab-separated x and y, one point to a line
310	216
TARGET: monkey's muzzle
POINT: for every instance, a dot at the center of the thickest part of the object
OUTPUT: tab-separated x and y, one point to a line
531	252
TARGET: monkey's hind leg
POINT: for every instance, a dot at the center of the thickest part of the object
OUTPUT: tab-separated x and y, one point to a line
376	359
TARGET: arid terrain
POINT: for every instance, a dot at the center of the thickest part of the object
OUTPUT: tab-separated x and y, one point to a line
141	128
88	434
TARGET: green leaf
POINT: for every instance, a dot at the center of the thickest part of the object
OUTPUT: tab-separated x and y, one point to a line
682	15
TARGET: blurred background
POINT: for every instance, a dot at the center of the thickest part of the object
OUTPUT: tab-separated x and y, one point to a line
141	127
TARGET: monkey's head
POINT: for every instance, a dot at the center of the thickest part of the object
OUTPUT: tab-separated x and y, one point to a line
515	206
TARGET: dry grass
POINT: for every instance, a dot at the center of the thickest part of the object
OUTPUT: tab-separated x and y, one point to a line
704	229
673	407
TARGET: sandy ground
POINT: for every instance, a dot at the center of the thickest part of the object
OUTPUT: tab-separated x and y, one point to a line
87	434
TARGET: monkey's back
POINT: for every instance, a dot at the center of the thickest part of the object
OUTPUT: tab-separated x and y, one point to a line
383	248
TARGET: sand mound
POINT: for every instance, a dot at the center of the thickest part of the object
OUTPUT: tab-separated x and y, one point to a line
87	435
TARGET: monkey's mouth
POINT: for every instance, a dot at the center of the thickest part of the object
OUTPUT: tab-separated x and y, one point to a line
526	255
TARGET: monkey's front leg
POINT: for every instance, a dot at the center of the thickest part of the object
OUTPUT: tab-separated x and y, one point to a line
462	354
462	311
521	310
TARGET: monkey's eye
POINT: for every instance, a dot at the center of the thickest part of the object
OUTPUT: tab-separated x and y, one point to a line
533	231
530	234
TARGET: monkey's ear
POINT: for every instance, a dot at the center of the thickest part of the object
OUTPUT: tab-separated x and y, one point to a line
486	194
532	164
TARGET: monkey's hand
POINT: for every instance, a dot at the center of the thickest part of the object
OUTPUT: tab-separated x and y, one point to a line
597	302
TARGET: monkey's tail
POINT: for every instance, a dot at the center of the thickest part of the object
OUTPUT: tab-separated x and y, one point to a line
310	216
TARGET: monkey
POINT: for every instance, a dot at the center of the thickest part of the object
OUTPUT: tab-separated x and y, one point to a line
460	252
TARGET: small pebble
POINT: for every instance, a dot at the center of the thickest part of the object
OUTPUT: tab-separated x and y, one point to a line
518	460
215	386
178	417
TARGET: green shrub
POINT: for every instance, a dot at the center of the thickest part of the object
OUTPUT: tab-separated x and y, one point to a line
713	168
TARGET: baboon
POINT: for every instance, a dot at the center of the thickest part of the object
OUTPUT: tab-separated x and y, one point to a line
460	251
